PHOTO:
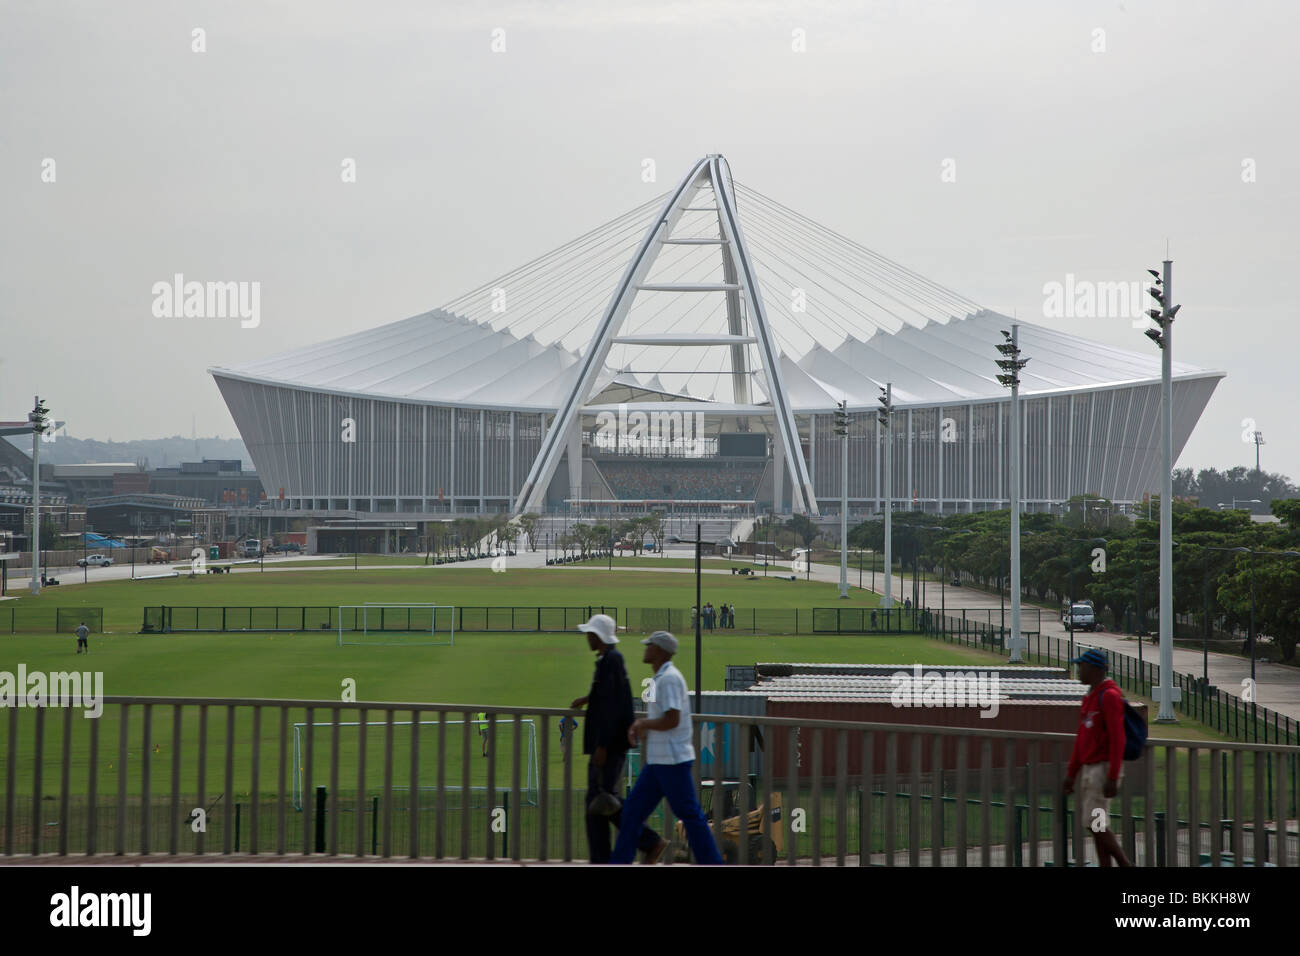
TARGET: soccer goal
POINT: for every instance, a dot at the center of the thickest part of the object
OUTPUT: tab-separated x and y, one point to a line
397	625
462	758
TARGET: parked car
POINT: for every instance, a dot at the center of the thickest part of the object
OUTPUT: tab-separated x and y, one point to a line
95	561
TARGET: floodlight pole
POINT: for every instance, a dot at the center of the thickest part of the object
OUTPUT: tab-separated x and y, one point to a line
36	496
887	599
843	425
1167	692
699	616
1013	367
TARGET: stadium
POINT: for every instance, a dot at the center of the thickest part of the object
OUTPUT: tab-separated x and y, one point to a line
734	326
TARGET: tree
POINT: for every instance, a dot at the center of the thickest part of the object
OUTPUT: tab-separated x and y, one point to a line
1288	510
528	525
654	526
803	528
510	534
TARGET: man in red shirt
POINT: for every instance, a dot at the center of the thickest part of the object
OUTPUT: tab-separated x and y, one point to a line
1098	756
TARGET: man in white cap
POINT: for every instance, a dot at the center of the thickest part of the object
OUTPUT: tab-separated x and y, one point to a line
669	754
604	737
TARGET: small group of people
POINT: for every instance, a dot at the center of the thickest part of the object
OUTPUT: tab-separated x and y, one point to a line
714	617
1094	772
611	729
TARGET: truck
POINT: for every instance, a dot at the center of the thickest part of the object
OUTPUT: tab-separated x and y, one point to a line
1079	616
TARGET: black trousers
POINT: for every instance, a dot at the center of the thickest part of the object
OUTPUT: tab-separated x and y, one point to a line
598	836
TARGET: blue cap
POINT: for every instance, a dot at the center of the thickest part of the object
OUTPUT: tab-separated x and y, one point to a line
1092	656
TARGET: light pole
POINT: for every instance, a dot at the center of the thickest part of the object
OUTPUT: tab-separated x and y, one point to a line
842	429
39	418
1011	364
1163	293
885	417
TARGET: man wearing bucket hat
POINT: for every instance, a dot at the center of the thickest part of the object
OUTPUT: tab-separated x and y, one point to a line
604	737
669	753
1098	756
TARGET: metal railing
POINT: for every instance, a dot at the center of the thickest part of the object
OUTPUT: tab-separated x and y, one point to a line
159	775
164	619
160	619
49	620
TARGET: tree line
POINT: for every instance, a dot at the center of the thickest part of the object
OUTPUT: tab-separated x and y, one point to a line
1114	561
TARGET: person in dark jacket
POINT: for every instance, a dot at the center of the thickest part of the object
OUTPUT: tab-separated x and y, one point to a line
604	738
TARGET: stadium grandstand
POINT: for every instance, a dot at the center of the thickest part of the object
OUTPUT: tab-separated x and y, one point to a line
690	354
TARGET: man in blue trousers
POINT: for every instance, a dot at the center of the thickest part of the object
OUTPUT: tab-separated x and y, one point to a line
669	754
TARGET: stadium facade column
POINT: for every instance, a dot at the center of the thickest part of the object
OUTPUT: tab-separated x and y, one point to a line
778	472
911	484
938	454
970	458
575	461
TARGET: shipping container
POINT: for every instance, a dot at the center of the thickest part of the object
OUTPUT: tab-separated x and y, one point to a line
1040	716
778	669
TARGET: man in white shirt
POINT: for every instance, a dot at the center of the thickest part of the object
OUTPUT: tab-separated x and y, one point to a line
669	753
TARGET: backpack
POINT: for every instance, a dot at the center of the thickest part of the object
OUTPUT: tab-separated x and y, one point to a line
1135	730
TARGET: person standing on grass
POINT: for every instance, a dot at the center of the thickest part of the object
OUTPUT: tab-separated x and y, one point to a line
1097	759
604	738
669	754
82	634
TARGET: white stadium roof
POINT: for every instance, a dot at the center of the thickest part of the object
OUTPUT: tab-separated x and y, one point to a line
845	321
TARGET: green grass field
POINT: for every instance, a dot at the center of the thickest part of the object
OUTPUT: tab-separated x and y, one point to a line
122	601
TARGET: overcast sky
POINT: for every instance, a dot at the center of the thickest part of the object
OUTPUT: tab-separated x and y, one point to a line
1084	136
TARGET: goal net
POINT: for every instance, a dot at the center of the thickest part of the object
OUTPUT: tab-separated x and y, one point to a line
460	763
409	625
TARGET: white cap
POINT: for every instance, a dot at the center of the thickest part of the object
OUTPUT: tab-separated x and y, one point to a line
603	626
664	640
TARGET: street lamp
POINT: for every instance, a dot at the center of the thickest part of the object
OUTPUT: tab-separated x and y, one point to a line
1011	364
1163	293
